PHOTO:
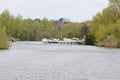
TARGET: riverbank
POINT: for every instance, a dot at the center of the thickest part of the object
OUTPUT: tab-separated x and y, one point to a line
111	44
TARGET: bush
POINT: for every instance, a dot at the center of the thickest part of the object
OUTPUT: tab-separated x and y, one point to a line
90	40
118	43
110	41
4	44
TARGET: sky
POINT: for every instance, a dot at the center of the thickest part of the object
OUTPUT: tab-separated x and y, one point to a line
74	10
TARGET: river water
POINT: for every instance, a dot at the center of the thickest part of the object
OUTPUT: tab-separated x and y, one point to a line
37	61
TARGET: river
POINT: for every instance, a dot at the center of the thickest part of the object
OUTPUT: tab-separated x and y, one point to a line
37	61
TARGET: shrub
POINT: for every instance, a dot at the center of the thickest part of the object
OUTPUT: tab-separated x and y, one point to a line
118	43
4	44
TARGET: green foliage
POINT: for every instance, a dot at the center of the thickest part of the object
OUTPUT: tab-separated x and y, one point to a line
70	30
28	29
106	25
4	44
90	39
115	4
118	43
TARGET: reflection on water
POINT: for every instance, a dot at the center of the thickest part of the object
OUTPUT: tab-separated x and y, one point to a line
37	61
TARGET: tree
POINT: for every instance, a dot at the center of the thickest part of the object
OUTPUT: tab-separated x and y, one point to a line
115	4
70	30
105	25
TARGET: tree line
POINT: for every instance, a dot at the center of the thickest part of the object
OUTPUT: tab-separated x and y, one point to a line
37	29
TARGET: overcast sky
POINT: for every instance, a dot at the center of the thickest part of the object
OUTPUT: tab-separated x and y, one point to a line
74	10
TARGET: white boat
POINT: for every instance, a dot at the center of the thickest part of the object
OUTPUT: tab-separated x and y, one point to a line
45	40
53	40
63	41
